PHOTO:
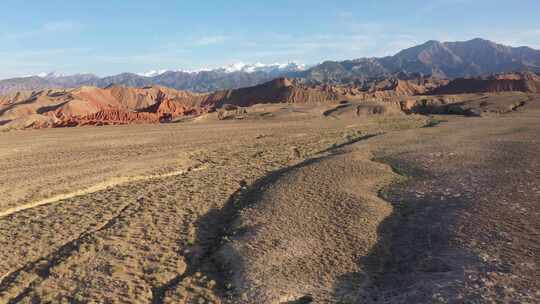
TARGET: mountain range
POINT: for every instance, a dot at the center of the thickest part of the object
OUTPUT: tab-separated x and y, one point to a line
447	60
450	60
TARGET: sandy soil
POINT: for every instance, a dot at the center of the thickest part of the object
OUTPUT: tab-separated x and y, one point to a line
287	207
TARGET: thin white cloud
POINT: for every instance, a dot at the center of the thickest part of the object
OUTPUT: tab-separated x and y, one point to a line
49	28
60	27
30	62
434	5
346	15
315	47
515	38
210	40
158	57
43	54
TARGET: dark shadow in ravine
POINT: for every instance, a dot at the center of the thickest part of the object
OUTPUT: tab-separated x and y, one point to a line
51	108
414	250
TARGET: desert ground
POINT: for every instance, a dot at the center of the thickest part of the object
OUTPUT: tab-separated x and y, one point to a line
279	204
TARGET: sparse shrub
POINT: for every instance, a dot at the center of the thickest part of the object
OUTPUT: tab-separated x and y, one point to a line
433	122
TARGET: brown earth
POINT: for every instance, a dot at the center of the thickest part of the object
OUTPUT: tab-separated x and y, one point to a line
512	82
467	104
284	203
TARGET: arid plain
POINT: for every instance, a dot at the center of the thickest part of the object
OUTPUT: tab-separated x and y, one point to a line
282	203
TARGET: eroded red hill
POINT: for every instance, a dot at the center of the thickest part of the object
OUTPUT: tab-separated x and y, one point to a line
116	104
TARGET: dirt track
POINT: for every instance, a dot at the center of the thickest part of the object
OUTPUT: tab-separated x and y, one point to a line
294	200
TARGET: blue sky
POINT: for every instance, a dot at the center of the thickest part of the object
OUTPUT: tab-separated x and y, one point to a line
113	36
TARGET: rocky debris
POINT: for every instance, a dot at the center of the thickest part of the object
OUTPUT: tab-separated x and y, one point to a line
229	111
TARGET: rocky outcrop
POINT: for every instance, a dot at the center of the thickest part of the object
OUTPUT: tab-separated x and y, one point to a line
512	82
467	105
281	90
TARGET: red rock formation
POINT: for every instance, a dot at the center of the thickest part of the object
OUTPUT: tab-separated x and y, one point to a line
109	117
95	106
122	105
169	107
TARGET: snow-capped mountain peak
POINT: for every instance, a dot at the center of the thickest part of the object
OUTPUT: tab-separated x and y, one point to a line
261	67
237	67
56	75
152	73
51	75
